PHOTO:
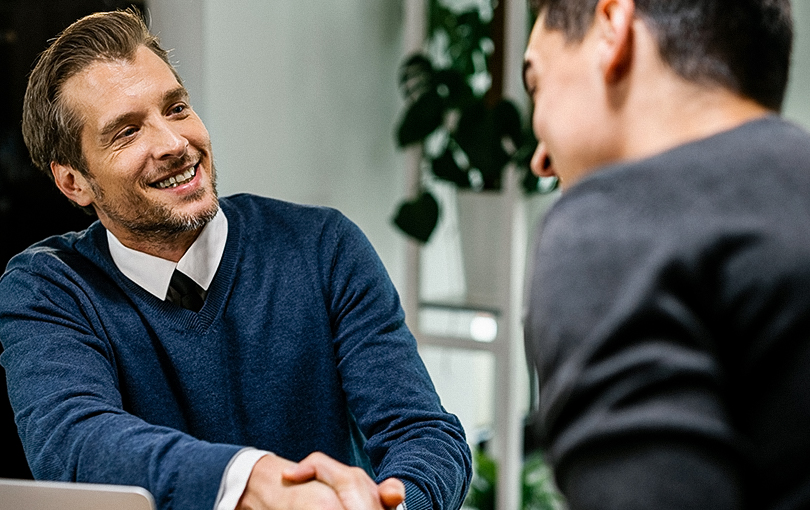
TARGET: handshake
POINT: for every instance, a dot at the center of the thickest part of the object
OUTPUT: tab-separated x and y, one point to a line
316	483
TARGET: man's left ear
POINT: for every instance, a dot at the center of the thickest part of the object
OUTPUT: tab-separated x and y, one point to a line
614	22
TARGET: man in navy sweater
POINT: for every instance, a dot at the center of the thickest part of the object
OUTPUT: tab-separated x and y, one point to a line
222	353
669	312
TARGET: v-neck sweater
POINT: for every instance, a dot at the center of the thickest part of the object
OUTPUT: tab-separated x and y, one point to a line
301	346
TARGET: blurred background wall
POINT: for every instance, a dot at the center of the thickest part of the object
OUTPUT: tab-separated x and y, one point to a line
797	103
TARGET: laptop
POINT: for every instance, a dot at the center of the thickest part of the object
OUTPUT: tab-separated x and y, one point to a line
36	495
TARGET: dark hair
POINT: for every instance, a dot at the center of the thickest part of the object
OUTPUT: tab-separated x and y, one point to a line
742	45
51	130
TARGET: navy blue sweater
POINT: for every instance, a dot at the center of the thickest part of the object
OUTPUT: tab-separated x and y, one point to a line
301	346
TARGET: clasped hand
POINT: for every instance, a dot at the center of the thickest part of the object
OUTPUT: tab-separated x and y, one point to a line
316	483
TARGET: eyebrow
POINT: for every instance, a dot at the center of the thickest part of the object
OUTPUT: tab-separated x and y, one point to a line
176	94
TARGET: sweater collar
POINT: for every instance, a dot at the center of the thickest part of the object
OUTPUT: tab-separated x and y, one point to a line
199	263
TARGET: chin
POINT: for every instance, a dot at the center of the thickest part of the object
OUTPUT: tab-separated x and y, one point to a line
203	214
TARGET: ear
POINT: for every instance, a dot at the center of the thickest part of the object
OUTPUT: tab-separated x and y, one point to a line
72	184
614	22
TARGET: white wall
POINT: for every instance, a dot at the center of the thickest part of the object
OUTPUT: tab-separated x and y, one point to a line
797	102
179	24
300	99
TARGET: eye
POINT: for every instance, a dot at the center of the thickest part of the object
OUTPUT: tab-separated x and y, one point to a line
529	79
531	85
178	109
127	133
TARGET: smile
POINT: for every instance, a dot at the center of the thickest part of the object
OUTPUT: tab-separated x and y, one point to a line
177	180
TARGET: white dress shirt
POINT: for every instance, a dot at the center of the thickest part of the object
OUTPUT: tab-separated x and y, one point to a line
200	262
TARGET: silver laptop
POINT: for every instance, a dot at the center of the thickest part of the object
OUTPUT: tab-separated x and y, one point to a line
34	495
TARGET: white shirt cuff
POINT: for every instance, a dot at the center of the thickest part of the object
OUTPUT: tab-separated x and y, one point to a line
235	477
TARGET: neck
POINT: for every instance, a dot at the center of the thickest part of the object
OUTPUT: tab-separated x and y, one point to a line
169	246
657	110
689	116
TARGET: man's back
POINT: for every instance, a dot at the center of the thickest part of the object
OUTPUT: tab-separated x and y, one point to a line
671	317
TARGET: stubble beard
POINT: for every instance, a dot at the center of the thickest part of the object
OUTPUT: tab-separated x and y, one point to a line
156	222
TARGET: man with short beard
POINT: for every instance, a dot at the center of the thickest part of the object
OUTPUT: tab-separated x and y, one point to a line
225	353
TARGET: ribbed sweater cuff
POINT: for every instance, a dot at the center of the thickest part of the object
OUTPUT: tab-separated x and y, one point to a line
416	499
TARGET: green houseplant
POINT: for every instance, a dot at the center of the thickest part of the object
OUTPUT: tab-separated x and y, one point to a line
538	491
468	136
468	133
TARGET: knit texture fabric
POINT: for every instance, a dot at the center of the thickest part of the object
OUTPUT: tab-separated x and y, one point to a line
300	346
669	320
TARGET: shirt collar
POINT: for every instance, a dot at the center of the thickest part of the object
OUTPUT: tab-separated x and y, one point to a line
200	262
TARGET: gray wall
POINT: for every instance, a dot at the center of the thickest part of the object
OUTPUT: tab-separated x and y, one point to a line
797	102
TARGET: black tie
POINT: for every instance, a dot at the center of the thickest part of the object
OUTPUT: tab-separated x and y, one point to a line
183	291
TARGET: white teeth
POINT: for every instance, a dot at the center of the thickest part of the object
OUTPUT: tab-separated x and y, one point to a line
177	180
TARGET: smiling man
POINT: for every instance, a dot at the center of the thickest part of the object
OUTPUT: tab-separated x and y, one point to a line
669	312
225	353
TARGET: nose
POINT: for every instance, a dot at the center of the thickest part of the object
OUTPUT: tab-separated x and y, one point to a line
169	142
541	163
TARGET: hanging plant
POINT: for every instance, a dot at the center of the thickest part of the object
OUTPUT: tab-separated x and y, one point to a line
468	138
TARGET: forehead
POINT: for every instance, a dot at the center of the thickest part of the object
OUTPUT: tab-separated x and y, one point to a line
550	39
107	87
542	43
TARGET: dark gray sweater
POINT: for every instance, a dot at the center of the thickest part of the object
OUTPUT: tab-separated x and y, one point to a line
669	318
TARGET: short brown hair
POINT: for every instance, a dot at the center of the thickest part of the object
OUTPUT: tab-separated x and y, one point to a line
51	130
741	45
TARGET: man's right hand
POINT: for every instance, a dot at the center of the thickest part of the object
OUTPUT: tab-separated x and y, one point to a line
352	484
266	490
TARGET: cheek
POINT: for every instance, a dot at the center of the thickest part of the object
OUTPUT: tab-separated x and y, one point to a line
547	119
197	133
562	114
537	121
127	167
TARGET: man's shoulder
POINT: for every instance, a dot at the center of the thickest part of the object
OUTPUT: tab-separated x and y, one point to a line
741	195
253	213
713	175
69	249
52	266
247	204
